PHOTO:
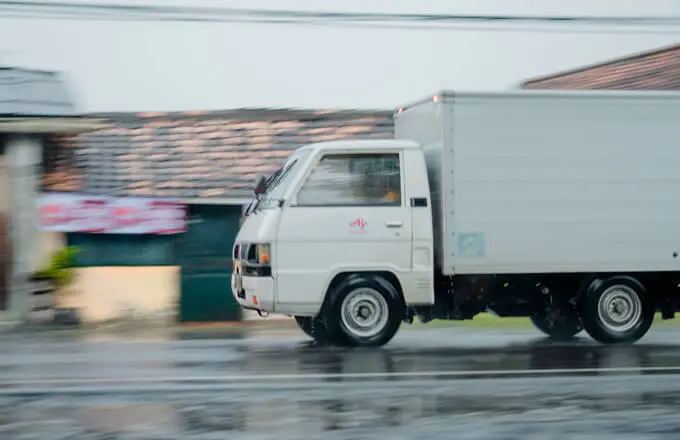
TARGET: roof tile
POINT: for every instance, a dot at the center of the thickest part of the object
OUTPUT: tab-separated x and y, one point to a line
197	154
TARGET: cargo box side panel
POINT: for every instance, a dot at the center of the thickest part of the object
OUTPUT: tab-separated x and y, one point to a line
423	124
566	184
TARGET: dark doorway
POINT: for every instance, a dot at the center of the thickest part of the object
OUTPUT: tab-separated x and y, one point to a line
204	256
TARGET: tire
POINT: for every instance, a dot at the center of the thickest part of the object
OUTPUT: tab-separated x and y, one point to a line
316	329
306	324
561	327
363	311
617	310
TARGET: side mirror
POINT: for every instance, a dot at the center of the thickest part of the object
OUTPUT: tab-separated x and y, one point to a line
261	186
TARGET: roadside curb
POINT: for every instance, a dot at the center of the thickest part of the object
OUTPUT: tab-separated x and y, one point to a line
160	327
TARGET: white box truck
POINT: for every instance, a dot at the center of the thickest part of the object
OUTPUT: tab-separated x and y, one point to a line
559	206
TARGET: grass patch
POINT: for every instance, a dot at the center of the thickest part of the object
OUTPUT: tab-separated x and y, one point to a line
483	320
489	321
659	321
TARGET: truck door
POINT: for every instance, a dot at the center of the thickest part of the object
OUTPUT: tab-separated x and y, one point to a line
349	215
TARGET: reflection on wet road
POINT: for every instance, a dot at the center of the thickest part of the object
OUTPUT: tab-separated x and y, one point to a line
437	384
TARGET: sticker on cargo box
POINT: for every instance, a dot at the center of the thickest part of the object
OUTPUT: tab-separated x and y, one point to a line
471	244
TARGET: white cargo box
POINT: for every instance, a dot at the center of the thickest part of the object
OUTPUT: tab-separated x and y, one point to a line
551	181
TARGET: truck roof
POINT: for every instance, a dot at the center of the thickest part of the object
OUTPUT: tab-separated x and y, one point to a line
613	94
363	144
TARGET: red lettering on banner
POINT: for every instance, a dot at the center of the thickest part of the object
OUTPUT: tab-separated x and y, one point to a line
54	214
125	217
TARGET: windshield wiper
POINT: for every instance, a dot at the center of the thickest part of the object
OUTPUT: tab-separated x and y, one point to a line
271	182
268	182
276	177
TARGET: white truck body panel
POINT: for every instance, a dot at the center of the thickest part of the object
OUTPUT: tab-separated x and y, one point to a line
551	182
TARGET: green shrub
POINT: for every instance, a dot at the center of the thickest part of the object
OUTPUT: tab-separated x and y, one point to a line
60	268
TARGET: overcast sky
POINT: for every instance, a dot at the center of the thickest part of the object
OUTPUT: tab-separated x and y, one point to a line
146	66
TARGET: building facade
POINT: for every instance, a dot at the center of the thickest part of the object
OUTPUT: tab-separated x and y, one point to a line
208	161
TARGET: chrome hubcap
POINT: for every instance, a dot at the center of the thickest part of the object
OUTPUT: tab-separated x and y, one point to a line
619	308
365	312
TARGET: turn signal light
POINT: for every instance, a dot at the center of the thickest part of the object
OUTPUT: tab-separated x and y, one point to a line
263	254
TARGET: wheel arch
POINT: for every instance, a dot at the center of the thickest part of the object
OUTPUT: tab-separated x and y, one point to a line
592	281
346	276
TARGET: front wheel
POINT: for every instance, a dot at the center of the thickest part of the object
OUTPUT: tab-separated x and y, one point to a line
364	311
616	310
558	326
315	329
306	324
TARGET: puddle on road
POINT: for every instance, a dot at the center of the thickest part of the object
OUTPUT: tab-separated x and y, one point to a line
294	419
303	360
152	360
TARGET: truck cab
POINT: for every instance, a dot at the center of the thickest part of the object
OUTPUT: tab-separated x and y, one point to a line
342	239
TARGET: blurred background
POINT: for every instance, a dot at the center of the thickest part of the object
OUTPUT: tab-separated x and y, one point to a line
168	112
129	102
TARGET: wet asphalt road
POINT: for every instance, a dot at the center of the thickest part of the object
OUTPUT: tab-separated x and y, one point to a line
436	384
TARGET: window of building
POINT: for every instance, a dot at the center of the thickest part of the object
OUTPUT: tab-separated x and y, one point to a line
123	249
353	180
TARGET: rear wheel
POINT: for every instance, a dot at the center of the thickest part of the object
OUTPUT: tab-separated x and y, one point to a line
617	310
364	311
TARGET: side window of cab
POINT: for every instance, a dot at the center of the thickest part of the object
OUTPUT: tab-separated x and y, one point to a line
353	179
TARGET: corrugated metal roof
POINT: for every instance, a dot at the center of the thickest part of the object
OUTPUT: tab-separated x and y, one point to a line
26	92
652	70
197	154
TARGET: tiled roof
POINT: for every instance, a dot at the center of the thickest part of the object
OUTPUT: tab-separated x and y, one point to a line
196	154
656	70
25	92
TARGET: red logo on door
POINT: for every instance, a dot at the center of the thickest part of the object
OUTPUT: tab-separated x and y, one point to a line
359	224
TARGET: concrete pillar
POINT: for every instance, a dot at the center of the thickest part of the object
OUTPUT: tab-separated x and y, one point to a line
4	235
23	155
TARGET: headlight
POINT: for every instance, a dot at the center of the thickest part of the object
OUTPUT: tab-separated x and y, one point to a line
262	252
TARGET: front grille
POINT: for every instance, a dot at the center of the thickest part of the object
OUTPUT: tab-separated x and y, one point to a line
257	271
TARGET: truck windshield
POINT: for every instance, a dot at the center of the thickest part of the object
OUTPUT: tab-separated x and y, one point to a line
280	181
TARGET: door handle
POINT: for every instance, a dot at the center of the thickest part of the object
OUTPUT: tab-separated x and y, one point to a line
394	224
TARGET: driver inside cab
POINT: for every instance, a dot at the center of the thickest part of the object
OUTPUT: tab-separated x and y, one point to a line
392	190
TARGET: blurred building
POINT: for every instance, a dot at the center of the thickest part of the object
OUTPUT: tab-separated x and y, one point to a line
654	70
208	161
34	107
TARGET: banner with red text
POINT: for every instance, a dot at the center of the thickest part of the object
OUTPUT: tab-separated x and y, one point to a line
110	215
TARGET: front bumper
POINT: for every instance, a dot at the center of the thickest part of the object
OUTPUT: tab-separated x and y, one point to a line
254	292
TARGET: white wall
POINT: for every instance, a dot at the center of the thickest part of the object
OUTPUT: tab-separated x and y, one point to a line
109	293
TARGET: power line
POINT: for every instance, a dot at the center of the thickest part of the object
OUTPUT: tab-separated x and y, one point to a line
353	16
146	13
385	26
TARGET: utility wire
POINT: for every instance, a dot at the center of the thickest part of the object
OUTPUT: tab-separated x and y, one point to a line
386	26
148	13
353	16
